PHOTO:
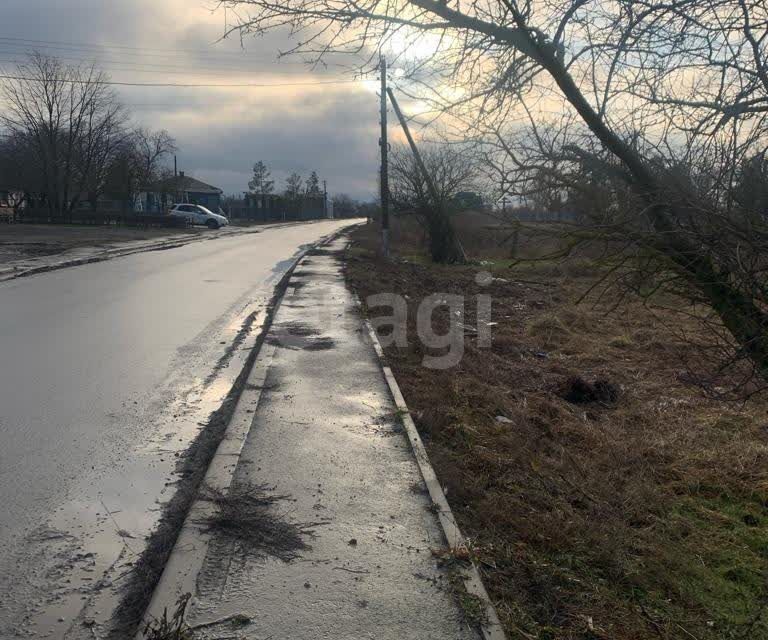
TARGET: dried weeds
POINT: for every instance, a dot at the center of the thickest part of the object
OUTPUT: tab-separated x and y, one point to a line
639	518
247	515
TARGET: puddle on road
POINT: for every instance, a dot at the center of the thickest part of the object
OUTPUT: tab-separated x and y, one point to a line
90	544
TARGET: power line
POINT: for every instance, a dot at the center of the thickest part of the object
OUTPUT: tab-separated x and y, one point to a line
137	56
86	45
195	85
211	55
171	71
217	65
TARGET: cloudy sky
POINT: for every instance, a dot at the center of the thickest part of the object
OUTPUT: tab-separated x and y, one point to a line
308	122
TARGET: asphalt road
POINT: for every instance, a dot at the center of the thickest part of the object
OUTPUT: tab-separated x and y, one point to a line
100	365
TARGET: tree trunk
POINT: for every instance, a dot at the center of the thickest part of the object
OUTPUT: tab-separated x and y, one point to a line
740	315
444	244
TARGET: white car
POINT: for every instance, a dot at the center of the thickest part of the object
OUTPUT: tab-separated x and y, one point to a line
197	214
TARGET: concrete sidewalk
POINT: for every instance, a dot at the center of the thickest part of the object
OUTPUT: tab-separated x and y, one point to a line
326	436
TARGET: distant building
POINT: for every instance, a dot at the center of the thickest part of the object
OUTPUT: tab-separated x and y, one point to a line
272	207
161	195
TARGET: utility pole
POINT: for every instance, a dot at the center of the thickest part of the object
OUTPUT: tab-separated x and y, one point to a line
325	198
384	162
419	161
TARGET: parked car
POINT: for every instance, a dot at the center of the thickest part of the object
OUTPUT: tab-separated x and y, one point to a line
197	214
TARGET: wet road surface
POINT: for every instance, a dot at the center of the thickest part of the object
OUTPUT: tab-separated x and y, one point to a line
105	373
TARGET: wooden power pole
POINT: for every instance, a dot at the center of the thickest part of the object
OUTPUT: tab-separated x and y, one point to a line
384	179
415	150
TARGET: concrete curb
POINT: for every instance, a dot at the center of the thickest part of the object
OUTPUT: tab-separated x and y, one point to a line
492	629
186	560
12	273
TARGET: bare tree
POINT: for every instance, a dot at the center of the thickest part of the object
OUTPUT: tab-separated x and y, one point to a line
19	170
344	206
312	185
151	148
73	123
451	172
294	187
137	163
637	88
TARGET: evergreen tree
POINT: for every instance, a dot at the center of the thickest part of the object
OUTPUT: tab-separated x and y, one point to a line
313	185
261	183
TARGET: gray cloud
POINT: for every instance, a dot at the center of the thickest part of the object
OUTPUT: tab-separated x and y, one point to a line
334	134
221	132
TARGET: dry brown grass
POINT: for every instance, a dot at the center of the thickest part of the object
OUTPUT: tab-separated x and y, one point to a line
170	628
643	518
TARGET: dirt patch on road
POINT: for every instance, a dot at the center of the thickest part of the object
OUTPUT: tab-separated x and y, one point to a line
604	497
22	241
296	335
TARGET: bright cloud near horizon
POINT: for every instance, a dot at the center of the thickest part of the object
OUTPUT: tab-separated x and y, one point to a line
221	132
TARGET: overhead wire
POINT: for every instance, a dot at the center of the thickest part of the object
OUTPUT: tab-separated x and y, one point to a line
58	44
150	62
185	85
206	55
173	71
11	47
88	53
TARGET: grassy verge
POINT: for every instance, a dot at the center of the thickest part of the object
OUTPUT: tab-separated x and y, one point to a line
604	496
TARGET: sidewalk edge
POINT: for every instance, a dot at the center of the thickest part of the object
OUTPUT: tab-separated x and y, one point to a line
492	629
